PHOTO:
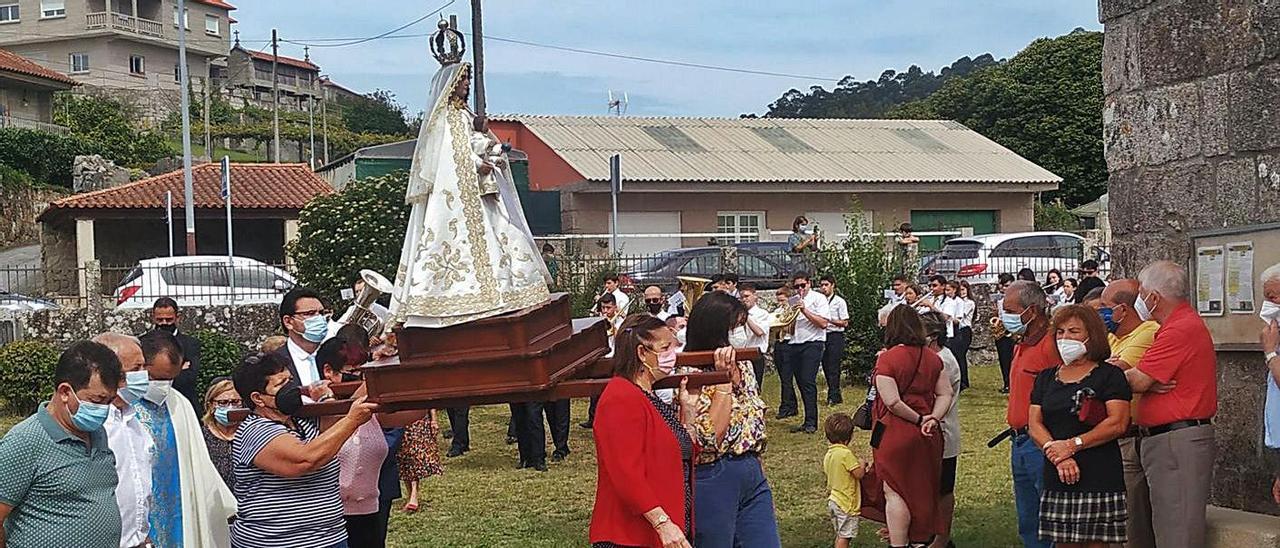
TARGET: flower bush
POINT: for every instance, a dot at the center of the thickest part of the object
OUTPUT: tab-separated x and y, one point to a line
361	227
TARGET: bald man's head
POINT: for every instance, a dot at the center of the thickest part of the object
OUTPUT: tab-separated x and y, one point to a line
653	292
125	347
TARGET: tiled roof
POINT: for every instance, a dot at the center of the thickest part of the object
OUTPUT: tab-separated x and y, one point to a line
217	4
684	149
12	62
253	186
308	65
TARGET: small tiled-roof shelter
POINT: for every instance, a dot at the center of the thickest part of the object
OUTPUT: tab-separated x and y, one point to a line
122	225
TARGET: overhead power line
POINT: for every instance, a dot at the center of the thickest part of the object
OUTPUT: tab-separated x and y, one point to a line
375	37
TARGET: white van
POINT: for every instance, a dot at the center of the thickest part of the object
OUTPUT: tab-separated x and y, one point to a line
981	259
202	280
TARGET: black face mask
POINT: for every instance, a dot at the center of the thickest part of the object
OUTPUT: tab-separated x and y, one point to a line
351	377
170	329
289	398
654	308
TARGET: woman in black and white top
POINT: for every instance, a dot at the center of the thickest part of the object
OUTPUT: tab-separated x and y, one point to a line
962	321
286	470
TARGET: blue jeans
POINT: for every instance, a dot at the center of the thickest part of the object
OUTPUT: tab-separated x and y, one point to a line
1027	463
733	505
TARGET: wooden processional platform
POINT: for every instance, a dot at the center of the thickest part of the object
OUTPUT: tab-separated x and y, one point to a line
536	354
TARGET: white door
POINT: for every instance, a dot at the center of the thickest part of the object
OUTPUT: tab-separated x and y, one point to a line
647	222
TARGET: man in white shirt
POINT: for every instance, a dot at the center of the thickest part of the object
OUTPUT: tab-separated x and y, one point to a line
757	329
130	441
833	352
807	346
900	285
621	299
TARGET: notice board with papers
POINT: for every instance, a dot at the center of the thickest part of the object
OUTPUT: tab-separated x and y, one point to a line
1225	290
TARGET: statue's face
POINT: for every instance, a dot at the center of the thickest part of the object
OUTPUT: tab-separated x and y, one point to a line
463	89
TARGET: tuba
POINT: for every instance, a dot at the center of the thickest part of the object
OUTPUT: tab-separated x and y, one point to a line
691	289
360	313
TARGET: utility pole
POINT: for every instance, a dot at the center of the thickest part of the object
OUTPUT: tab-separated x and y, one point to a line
275	98
208	140
184	84
477	56
324	124
311	129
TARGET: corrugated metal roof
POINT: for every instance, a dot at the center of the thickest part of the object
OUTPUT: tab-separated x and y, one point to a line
735	149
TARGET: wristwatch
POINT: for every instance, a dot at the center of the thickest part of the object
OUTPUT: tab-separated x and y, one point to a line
1079	443
663	520
1270	356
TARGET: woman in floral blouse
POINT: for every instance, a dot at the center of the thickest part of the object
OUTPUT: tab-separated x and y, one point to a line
734	505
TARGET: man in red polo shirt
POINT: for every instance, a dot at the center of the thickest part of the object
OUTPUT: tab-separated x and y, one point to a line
1177	449
1025	315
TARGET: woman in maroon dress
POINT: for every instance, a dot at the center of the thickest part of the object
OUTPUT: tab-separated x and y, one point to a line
906	438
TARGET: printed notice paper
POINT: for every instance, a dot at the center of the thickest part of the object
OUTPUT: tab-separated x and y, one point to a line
1210	286
1240	278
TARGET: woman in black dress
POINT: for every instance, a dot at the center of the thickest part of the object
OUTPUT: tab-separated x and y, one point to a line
1078	411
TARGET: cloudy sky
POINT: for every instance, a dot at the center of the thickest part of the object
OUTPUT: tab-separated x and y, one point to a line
813	43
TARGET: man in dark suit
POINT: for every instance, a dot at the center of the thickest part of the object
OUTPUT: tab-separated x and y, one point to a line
165	317
305	321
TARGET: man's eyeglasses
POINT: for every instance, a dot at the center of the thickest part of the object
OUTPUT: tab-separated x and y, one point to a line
801	285
304	314
227	402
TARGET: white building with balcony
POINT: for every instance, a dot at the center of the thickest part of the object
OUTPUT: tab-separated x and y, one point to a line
118	44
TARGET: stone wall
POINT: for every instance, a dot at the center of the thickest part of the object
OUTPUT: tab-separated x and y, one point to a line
1190	123
247	324
18	211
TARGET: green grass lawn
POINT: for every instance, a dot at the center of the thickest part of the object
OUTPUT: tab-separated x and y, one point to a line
482	500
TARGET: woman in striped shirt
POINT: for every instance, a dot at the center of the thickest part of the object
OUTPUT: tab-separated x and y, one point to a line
286	473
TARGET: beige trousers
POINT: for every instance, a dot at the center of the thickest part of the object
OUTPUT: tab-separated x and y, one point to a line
1179	470
1137	496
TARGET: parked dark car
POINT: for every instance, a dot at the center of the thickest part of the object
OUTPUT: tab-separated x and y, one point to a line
780	253
703	262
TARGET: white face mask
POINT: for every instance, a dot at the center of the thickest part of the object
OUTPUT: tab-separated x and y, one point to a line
1071	350
1270	311
157	391
680	336
1140	306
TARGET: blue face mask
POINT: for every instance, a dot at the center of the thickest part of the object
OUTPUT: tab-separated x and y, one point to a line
220	415
136	384
315	328
90	416
1107	320
1013	323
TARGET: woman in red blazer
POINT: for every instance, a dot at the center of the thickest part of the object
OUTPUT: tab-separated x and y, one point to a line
644	453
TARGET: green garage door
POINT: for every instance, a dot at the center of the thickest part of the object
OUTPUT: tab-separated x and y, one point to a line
982	221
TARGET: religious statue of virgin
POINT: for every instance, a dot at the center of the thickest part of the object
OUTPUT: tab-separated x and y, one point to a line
468	252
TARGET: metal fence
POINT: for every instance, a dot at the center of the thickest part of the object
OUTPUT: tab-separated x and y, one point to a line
202	283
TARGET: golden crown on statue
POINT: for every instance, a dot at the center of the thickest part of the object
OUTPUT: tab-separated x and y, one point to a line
446	44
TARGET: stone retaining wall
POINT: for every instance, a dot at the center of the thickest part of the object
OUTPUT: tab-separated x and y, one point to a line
247	324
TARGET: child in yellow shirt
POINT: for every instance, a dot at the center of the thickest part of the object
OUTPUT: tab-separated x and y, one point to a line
843	474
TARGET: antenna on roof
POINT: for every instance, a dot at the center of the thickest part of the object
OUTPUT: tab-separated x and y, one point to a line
618	106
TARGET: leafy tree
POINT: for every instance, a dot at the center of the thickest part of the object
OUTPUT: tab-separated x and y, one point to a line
108	124
361	227
863	270
219	356
45	157
27	367
377	112
1055	216
871	99
1044	104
